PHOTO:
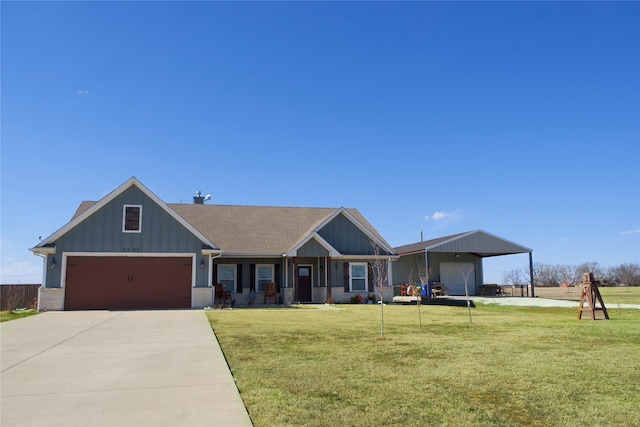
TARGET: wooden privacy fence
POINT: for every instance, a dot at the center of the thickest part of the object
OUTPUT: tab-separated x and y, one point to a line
18	296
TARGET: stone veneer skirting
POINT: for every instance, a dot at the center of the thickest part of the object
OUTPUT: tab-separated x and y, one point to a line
202	297
50	299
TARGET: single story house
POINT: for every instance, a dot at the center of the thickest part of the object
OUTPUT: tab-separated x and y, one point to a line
132	250
449	260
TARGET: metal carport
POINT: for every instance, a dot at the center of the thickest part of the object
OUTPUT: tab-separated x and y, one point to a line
461	248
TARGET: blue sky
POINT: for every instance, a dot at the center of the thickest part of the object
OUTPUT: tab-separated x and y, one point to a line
518	118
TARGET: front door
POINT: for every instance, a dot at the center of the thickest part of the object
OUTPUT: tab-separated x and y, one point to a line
303	279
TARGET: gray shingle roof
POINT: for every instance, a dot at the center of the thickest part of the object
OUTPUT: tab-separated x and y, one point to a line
269	230
253	229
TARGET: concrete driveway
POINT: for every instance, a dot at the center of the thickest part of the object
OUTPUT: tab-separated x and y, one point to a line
116	368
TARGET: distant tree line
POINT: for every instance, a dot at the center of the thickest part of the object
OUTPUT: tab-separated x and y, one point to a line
549	275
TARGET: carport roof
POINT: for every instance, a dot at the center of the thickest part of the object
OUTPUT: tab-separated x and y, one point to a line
476	242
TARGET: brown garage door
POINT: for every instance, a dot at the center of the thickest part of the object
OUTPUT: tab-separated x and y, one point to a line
127	283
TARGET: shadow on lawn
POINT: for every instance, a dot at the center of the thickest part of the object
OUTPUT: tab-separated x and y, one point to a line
449	302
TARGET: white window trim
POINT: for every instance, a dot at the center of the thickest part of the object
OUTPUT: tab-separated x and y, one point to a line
124	219
366	276
235	275
273	273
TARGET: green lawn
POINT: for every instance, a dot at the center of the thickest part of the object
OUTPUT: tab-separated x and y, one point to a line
17	314
512	366
627	295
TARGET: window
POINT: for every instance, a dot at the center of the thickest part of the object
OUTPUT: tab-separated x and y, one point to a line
264	274
358	276
132	219
227	276
304	271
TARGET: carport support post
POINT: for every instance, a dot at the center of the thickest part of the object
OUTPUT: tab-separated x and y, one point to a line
533	285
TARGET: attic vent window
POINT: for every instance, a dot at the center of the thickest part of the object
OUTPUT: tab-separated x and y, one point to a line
132	219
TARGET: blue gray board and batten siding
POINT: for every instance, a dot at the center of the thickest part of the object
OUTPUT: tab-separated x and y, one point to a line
405	269
345	237
102	232
313	249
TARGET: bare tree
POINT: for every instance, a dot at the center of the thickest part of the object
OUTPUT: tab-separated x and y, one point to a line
546	275
516	277
466	289
549	275
416	290
567	274
380	272
624	274
13	297
590	267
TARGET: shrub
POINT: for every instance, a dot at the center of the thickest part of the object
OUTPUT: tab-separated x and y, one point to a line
356	299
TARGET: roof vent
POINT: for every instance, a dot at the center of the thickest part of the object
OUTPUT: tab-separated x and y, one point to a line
199	200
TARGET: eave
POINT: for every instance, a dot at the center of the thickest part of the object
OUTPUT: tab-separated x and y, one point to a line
45	250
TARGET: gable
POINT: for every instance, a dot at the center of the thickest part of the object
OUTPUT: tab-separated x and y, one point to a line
313	248
348	239
102	231
98	227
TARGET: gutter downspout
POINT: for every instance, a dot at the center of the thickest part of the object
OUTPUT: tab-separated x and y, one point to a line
44	276
44	268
